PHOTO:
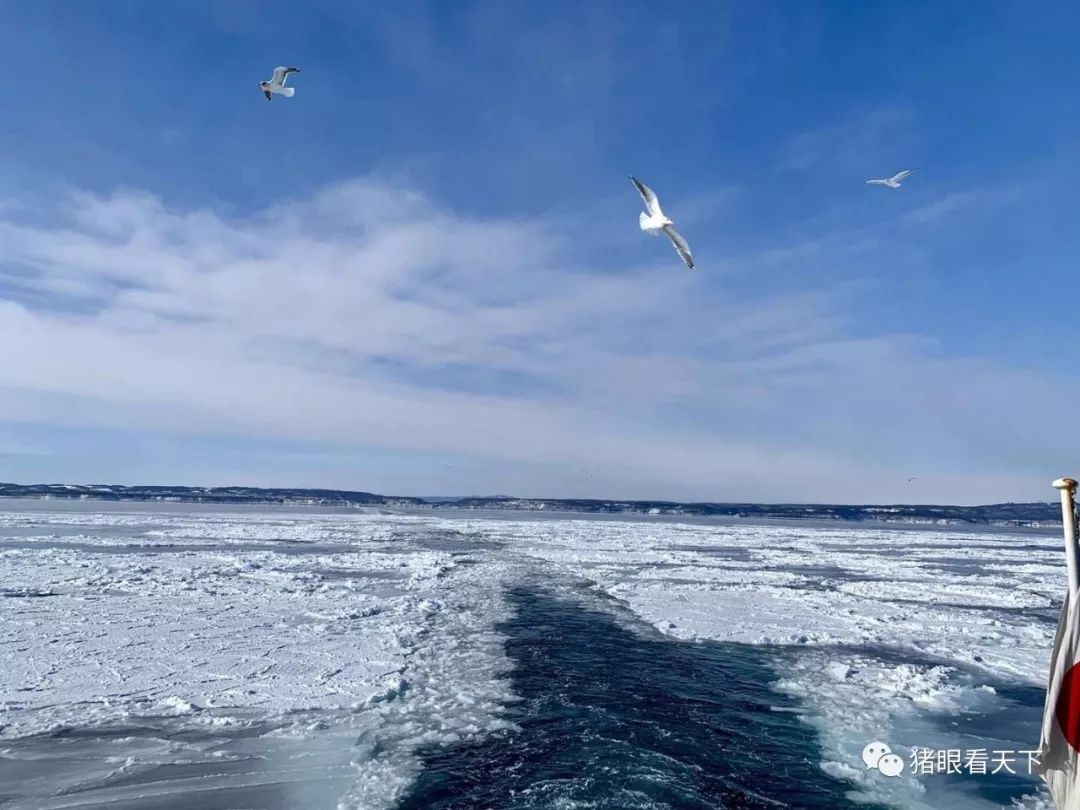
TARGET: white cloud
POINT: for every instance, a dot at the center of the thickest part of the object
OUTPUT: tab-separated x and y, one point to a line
369	315
861	142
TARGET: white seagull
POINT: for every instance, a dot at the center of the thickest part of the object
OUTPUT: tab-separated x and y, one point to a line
656	222
277	83
891	182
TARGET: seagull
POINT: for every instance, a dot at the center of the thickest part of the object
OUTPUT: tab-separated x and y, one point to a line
911	479
656	222
277	83
891	182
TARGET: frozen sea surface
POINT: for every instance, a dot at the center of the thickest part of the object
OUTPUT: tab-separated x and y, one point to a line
211	658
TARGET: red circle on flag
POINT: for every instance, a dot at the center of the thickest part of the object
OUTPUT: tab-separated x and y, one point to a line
1067	710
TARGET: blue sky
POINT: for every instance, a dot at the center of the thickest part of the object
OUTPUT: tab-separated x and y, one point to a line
423	273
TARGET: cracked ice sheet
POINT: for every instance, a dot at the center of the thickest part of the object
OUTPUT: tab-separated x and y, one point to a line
165	529
819	586
394	649
890	629
893	634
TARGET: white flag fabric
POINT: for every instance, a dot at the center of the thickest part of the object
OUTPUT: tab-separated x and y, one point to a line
1059	747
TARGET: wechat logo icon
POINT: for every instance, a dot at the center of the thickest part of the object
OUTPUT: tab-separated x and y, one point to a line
879	757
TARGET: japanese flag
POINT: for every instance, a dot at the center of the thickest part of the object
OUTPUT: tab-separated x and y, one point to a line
1059	747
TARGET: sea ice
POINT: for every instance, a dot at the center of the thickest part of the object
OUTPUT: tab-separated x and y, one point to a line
353	640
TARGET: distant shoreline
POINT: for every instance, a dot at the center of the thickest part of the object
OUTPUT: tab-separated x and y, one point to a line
1018	515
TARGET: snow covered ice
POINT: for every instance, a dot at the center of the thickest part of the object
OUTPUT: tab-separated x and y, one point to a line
314	656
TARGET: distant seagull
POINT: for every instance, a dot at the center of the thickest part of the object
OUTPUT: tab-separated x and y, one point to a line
891	182
277	83
656	222
912	479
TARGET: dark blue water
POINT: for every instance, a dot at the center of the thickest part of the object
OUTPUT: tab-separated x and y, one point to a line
612	719
1013	725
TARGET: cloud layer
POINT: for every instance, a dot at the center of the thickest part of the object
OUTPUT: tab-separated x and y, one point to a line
371	317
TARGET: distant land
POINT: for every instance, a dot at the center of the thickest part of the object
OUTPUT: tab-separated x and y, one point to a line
999	514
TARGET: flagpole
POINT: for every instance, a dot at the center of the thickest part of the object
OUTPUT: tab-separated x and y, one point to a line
1067	488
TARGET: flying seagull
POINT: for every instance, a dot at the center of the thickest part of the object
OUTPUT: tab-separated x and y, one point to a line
891	182
656	222
277	83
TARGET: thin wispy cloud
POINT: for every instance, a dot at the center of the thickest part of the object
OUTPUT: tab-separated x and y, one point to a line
370	315
862	141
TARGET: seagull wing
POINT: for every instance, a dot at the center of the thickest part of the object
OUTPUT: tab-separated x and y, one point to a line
877	182
281	73
648	195
896	178
681	247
